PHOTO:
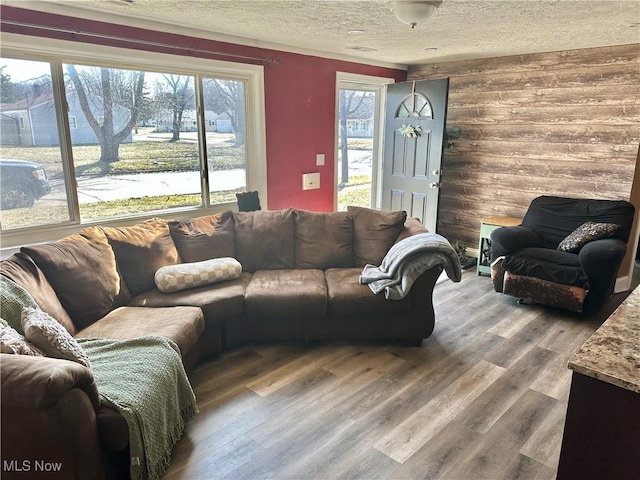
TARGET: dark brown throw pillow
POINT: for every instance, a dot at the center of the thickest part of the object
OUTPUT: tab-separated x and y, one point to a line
141	250
323	240
585	233
264	239
82	270
203	238
374	232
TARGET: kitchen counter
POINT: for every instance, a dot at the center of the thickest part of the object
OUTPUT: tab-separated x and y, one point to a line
612	353
602	426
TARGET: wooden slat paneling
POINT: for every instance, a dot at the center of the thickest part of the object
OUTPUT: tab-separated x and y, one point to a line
591	57
559	123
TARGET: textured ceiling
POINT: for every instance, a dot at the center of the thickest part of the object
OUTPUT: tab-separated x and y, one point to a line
460	29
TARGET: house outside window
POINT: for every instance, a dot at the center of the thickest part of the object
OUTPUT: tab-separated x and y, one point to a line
134	154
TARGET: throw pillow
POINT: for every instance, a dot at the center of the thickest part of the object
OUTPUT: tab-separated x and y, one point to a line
323	240
248	201
13	298
173	278
82	270
12	342
141	250
585	233
45	332
265	239
374	232
202	238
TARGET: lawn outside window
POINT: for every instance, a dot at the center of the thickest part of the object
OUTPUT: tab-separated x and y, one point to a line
171	138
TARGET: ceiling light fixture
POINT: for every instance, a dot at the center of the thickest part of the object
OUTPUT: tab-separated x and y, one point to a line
413	12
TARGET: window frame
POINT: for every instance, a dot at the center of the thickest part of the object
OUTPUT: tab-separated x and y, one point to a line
354	81
57	52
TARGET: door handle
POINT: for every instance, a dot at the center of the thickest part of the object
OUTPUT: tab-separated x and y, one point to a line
434	185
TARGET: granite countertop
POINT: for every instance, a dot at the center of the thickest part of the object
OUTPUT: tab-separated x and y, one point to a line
612	353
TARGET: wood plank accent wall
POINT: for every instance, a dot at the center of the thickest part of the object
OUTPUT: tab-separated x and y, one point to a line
561	123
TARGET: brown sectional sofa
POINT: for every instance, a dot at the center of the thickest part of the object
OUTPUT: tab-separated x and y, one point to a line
299	282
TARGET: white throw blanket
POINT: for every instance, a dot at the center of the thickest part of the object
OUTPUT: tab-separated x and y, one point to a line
407	260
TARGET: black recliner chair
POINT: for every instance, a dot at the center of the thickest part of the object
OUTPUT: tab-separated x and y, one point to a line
566	253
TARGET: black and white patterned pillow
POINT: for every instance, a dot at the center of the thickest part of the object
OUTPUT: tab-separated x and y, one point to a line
585	233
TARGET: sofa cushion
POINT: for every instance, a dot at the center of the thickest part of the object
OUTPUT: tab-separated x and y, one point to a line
547	264
348	297
82	270
46	333
202	238
323	240
141	250
374	231
183	325
265	239
20	268
412	226
286	294
183	276
219	302
585	233
13	342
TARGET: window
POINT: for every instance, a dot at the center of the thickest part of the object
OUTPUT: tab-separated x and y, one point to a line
31	168
131	138
226	147
359	116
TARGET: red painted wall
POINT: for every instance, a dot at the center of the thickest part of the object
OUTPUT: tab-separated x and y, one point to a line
299	99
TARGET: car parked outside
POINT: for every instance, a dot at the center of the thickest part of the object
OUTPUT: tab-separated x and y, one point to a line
21	183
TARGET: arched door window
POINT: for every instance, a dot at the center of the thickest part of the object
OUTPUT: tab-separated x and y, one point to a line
414	105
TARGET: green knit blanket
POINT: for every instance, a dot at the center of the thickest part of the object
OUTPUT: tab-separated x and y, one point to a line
144	380
12	298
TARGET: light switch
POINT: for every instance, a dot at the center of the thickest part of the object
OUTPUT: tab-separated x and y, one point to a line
320	159
310	181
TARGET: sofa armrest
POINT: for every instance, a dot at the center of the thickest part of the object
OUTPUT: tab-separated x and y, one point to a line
506	240
39	382
601	260
49	418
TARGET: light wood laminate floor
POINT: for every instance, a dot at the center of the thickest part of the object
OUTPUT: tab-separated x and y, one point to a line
484	398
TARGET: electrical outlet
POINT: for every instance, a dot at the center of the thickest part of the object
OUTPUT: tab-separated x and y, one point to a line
310	181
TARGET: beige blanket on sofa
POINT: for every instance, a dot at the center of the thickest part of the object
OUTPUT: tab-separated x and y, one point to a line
144	380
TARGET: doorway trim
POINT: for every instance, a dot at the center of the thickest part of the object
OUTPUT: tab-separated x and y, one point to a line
355	81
